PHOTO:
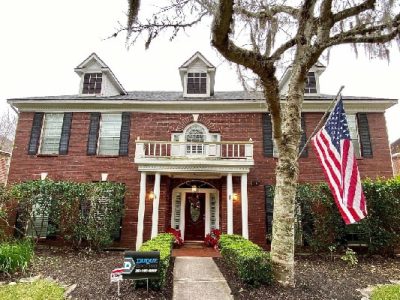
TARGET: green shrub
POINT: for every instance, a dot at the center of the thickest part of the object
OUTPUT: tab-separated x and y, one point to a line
83	213
40	289
250	261
386	292
350	257
322	225
163	243
4	210
15	255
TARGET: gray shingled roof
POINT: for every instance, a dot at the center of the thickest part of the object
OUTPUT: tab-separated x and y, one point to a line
178	96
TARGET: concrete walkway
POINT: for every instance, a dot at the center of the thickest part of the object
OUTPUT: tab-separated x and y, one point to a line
199	278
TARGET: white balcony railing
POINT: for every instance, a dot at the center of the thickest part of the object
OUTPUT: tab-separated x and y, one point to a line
193	150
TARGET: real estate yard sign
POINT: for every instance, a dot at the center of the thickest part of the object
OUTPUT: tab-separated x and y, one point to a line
141	265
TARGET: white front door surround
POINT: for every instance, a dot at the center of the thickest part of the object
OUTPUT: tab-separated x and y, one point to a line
142	205
211	208
178	207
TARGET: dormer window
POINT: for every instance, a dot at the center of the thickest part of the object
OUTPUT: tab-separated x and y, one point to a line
92	83
311	84
97	78
198	77
197	83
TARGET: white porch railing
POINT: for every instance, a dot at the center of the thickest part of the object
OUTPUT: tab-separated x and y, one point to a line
203	150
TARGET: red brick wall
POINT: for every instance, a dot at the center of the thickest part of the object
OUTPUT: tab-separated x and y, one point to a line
78	166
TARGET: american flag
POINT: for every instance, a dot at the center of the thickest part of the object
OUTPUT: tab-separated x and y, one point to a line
334	148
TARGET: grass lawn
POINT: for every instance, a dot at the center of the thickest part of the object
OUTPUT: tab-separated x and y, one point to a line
37	290
386	292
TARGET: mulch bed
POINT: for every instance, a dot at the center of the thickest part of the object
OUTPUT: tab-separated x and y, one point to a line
91	272
320	278
316	277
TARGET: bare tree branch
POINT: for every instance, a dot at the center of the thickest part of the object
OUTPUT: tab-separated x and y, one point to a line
267	12
353	11
364	34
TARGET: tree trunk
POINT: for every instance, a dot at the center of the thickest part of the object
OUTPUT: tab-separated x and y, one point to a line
287	173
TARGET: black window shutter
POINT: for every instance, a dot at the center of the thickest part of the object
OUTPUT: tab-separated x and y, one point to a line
35	133
303	139
93	133
364	136
268	145
125	133
65	133
269	207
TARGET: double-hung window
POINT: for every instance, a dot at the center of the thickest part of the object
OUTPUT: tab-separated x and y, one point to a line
51	133
311	84
109	135
92	83
197	83
353	129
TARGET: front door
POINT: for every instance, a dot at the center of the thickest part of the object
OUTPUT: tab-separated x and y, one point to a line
194	216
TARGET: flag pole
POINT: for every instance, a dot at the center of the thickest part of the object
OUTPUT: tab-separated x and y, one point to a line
322	120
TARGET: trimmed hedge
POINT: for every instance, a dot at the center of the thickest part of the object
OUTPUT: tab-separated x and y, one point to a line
15	255
163	243
250	261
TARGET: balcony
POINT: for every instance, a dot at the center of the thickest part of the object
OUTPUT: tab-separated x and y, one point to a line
194	156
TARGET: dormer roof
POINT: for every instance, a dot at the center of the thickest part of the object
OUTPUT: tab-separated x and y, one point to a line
94	64
195	56
318	69
196	64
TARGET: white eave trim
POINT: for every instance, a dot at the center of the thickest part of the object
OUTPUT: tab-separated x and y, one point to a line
188	106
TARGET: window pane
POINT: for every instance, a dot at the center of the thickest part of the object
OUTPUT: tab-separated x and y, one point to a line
51	133
311	84
352	122
195	134
197	83
92	83
110	130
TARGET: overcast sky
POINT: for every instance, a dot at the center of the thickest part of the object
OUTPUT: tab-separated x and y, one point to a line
42	41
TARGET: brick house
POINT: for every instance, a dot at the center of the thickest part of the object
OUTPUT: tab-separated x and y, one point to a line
195	159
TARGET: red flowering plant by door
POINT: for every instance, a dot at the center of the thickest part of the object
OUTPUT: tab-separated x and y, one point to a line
177	234
211	239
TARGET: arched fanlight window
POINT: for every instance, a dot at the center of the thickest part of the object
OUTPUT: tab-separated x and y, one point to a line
195	135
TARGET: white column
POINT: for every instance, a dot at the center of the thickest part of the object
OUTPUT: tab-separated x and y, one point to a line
243	199
207	226
229	197
156	204
142	205
182	220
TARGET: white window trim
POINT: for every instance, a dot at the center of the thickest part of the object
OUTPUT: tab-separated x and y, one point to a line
207	210
185	93
40	152
357	148
99	134
83	80
316	74
180	149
